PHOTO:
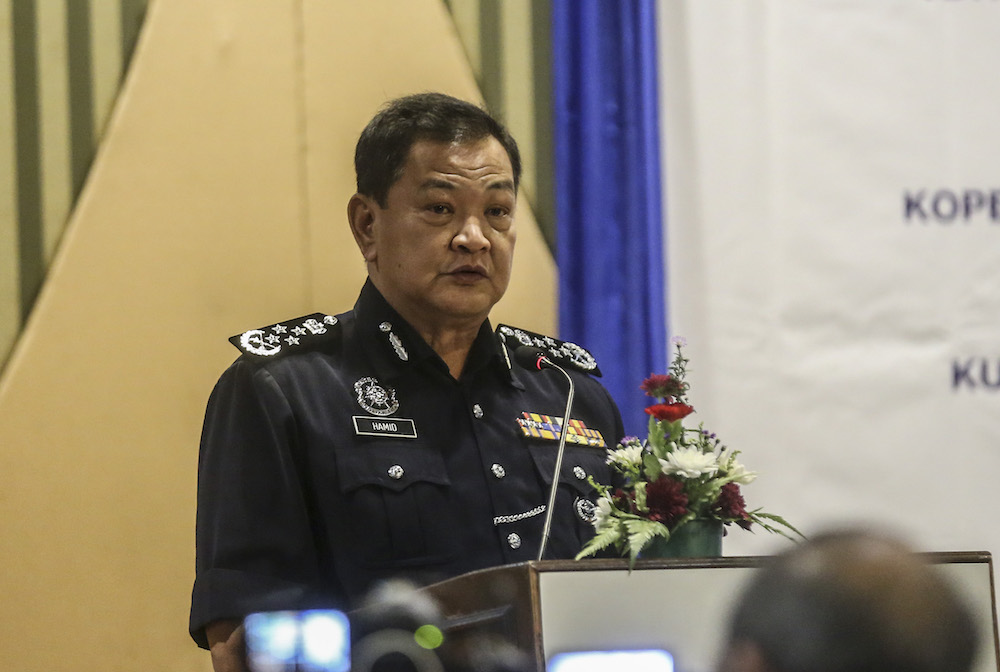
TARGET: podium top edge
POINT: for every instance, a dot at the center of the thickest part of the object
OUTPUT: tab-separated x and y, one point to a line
588	564
748	561
535	567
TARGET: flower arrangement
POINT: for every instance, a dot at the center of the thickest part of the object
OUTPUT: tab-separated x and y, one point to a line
677	475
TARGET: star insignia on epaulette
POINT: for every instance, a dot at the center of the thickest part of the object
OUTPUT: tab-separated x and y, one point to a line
562	352
306	332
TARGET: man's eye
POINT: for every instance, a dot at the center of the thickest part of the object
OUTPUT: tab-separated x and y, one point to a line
440	209
496	212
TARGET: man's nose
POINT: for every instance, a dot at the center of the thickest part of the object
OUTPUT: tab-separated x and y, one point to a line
471	236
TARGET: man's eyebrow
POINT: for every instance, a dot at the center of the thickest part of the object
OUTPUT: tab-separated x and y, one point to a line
506	185
436	183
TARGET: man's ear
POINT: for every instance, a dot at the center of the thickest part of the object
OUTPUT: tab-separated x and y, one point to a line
361	214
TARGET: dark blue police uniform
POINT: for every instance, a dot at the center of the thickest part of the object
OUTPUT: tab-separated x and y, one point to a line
338	451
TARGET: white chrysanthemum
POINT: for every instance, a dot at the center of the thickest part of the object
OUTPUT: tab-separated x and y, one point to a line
729	464
629	455
740	474
602	511
690	463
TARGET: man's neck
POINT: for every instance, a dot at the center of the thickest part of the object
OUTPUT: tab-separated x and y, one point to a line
452	346
451	337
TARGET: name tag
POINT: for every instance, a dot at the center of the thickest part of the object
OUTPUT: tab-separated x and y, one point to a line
401	428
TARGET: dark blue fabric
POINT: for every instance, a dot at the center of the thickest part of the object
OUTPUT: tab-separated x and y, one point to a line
608	205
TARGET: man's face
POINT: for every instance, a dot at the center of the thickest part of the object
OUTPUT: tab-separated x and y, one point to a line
441	249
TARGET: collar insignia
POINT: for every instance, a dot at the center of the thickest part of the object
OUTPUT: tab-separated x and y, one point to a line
394	341
397	345
374	398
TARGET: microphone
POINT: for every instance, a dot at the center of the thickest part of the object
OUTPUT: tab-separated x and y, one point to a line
535	359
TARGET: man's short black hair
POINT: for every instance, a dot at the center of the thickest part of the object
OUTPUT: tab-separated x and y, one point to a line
385	143
855	601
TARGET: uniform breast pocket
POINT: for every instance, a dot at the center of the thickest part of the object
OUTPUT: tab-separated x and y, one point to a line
397	496
574	505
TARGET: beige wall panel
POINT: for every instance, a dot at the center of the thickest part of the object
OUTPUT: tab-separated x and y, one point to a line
466	14
10	286
53	122
106	54
178	240
216	204
518	83
350	73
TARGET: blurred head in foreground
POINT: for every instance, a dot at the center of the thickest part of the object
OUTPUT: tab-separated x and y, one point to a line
850	601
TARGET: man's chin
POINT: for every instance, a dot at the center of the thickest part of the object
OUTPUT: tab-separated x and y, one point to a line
467	305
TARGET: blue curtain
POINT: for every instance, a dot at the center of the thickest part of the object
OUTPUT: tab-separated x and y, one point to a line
608	207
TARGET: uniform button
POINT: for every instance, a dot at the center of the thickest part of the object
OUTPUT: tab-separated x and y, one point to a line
477	411
385	326
514	540
579	472
395	472
498	470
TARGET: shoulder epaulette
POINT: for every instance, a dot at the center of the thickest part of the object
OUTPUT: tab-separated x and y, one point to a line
563	353
284	338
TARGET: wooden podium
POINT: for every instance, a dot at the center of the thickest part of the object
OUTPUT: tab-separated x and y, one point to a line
680	605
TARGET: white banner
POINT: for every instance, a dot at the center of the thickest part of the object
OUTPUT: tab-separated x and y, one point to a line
833	193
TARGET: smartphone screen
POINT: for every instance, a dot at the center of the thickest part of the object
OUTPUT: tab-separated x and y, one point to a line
316	640
645	660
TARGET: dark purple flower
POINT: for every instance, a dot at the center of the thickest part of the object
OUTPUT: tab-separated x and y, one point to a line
731	506
666	500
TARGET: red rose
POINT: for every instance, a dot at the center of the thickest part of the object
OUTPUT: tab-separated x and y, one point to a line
669	412
659	385
731	504
666	500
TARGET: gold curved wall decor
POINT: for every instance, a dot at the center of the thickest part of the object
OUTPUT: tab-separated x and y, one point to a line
216	202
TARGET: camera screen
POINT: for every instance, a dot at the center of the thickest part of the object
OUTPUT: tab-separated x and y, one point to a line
646	660
316	640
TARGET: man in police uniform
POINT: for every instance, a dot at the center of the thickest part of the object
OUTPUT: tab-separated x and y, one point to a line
396	439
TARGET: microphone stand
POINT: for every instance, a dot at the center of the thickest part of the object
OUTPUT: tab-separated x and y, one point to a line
559	454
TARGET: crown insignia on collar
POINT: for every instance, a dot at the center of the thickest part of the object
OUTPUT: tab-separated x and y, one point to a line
284	338
563	353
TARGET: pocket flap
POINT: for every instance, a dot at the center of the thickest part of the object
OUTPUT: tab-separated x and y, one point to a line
578	463
393	465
